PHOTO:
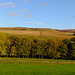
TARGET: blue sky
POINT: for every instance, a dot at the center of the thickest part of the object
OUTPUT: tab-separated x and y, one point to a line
55	14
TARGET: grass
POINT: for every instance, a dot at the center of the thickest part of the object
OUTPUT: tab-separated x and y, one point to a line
26	69
45	34
10	66
8	34
34	59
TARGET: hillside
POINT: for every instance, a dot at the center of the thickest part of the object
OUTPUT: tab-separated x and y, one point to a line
24	28
67	30
39	32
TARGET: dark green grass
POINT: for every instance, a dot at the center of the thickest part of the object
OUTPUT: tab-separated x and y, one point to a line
18	66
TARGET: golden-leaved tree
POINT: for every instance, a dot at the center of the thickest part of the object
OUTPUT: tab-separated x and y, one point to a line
2	44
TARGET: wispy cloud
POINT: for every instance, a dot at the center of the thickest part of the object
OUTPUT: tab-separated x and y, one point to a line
28	15
72	5
26	1
36	23
7	4
13	14
42	4
73	16
63	7
22	10
33	8
1	24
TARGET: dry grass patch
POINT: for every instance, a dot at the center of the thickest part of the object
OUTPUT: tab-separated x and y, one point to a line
47	33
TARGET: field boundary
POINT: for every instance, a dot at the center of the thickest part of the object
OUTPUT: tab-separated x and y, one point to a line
33	60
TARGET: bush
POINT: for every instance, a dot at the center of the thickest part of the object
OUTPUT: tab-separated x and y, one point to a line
73	39
74	34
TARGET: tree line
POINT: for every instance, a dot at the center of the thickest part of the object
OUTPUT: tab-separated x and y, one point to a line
34	47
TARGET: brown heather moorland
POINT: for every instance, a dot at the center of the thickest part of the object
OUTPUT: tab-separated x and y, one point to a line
36	32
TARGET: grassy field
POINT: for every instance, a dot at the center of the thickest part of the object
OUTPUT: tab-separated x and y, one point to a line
27	66
45	33
8	34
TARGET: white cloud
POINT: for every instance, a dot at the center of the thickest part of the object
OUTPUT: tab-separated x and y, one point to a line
73	16
42	4
33	8
7	4
1	24
13	14
23	10
28	15
26	0
63	7
36	23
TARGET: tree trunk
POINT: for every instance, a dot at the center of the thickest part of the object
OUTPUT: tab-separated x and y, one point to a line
39	56
27	56
32	56
0	53
7	55
17	56
42	56
23	56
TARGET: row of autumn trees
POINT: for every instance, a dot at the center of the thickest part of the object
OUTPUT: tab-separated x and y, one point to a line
34	47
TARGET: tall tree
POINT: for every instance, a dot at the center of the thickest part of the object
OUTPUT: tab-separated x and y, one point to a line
63	50
13	51
2	44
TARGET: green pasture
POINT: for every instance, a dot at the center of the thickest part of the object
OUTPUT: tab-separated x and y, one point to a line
18	66
8	34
